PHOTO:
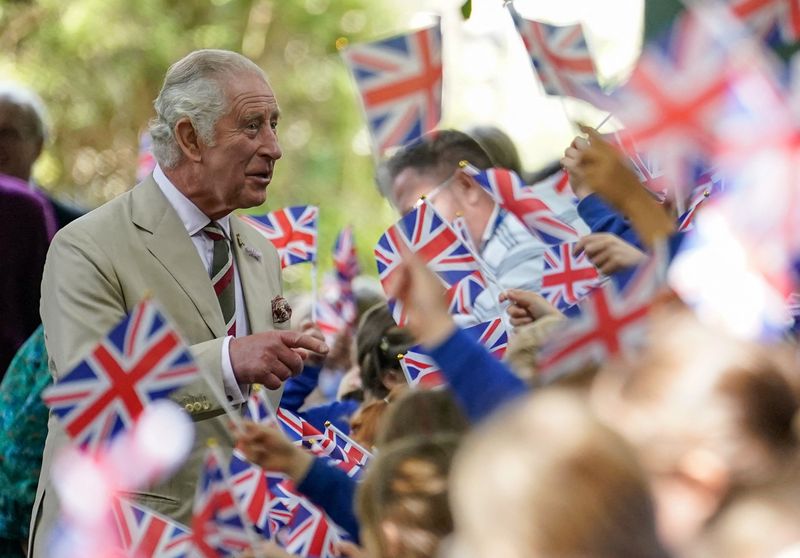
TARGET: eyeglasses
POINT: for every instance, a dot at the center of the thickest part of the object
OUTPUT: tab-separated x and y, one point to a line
434	192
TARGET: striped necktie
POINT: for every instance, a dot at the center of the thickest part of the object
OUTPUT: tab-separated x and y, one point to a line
222	275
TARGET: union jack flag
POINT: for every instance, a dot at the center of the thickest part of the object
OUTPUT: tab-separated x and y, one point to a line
147	534
146	162
560	56
698	197
460	226
349	449
679	121
556	192
420	369
610	322
424	232
329	320
292	230
461	297
400	82
219	529
765	17
567	278
345	259
141	360
311	533
258	495
508	190
299	431
647	167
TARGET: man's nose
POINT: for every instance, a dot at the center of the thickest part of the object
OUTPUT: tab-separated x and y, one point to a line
269	145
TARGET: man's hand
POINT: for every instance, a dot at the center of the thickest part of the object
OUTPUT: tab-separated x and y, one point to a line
571	163
271	357
526	306
609	253
267	447
314	359
423	297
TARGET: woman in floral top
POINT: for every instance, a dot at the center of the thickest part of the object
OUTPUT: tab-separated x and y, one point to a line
23	429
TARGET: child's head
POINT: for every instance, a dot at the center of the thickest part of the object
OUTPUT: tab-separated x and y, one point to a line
379	341
545	478
403	501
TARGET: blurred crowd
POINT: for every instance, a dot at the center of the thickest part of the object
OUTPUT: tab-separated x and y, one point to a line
686	446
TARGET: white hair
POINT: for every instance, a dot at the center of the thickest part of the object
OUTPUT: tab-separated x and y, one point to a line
194	88
20	96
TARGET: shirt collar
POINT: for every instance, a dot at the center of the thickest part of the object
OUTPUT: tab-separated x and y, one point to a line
190	215
491	225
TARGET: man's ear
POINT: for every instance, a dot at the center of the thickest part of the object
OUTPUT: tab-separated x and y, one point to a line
470	192
188	140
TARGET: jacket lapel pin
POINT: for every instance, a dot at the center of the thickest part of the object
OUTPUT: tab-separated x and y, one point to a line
249	250
253	253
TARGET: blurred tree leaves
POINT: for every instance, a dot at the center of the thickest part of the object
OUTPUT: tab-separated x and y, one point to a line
98	64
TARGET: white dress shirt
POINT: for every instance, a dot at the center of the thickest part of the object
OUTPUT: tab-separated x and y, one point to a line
194	220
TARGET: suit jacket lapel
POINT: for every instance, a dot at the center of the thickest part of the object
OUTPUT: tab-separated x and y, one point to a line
170	244
253	275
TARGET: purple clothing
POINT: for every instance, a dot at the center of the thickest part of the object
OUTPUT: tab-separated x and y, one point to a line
26	226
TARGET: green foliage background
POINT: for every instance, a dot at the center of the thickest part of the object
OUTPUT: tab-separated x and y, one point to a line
98	65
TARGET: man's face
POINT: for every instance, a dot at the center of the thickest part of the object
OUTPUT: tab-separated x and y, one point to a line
19	145
409	185
238	167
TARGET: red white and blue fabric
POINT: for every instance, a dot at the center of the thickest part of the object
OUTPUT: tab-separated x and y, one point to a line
299	431
350	450
461	297
304	433
147	534
146	162
508	190
345	259
698	197
677	120
257	497
460	226
424	232
400	83
771	20
647	167
311	533
330	320
556	192
567	278
610	322
420	369
218	526
560	56
141	360
292	230
258	408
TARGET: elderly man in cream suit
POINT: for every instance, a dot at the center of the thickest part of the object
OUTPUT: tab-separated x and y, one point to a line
214	137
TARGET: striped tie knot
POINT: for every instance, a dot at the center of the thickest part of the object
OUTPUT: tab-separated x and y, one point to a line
214	231
222	275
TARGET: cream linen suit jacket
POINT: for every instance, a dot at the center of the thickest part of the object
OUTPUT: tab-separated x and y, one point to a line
98	268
